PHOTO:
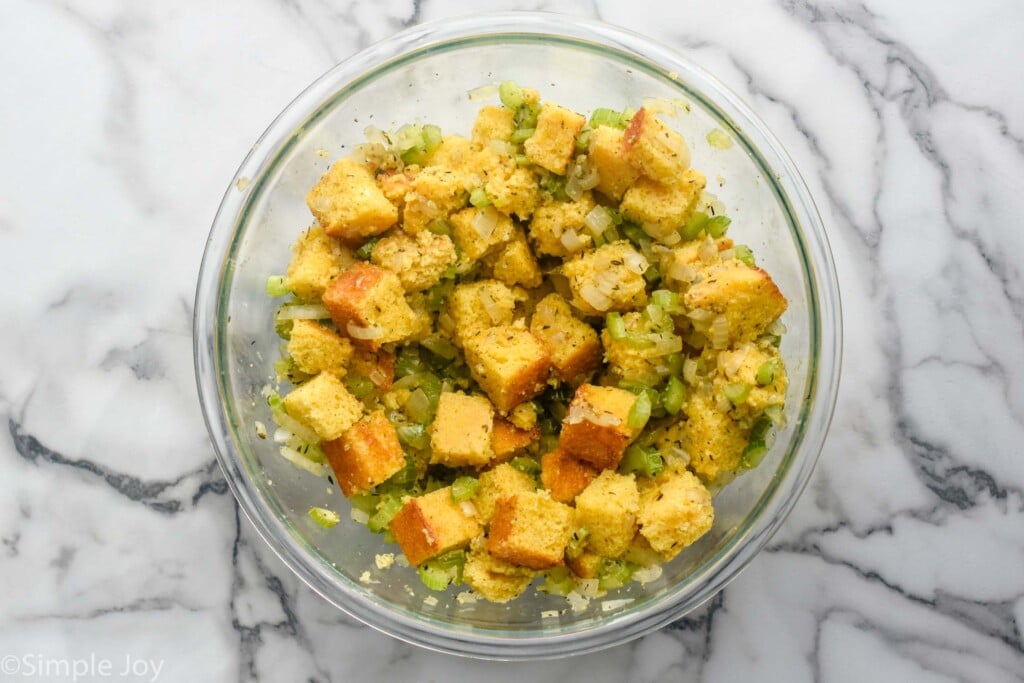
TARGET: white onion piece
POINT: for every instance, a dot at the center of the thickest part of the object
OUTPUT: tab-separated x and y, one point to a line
682	272
700	315
485	221
581	177
282	435
580	412
597	299
727	254
636	261
484	92
777	327
718	332
364	333
572	241
648	574
303	312
468	509
490	306
665	344
377	376
597	221
361	516
289	423
302	462
502	147
690	371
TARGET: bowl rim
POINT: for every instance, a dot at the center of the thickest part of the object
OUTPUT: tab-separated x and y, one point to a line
821	283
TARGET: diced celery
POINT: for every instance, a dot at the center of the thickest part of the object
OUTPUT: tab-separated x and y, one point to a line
413	436
577	543
652	275
526	464
526	116
753	454
324	517
608	117
774	413
283	328
440	346
557	581
583	140
615	325
386	511
431	137
366	251
440	226
437	578
418	408
636	340
694	224
634	233
614	573
737	392
675	364
276	286
511	95
674	396
408	362
365	502
644	460
766	372
521	135
360	387
640	413
744	254
478	198
717	226
464	488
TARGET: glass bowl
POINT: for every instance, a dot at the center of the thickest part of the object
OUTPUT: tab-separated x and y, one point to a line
424	74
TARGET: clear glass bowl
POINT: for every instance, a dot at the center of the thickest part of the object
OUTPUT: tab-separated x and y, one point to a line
424	74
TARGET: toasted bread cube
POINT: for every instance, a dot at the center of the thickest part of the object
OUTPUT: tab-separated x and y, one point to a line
507	439
433	524
553	218
366	297
454	152
348	204
714	441
747	299
683	264
366	455
572	343
378	366
317	258
479	305
418	261
585	565
513	190
666	206
461	432
608	159
524	416
564	476
478	231
508	363
497	483
530	530
396	184
554	140
610	278
315	349
654	149
324	404
435	192
640	552
496	580
513	262
740	366
596	429
608	509
629	361
675	511
493	123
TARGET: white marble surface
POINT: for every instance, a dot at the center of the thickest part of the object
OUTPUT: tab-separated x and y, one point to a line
123	121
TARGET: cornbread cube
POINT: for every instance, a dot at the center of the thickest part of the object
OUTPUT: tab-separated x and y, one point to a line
675	512
629	361
683	264
713	440
571	343
746	297
418	261
640	552
324	405
530	530
508	363
454	152
507	439
435	192
431	525
315	349
585	565
654	149
478	231
366	455
317	258
608	509
667	206
607	158
513	189
423	322
461	432
493	123
610	278
596	429
523	416
377	366
348	204
496	580
496	483
479	305
396	184
553	218
741	365
367	296
554	140
564	476
513	262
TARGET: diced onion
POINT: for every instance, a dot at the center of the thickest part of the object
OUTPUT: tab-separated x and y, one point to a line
282	435
572	241
502	147
665	344
485	221
597	299
578	413
589	588
484	92
700	315
302	462
718	332
289	423
364	333
682	272
490	306
636	261
611	605
467	508
777	327
598	220
359	516
581	177
727	254
690	371
377	376
303	312
731	362
648	574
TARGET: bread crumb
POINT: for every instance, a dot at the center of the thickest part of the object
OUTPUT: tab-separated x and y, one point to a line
430	601
466	598
242	183
384	560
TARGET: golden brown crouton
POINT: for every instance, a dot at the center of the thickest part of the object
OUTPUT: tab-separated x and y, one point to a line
496	483
494	579
713	440
479	305
455	152
324	405
433	524
564	476
513	262
348	204
554	139
572	343
596	429
478	231
610	278
396	184
675	511
508	363
366	455
607	159
530	530
663	208
493	123
435	192
314	348
317	258
513	189
418	261
368	304
585	565
607	508
377	366
654	149
507	439
461	432
631	361
740	366
745	298
553	218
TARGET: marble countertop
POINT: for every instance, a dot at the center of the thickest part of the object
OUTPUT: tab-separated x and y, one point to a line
122	123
